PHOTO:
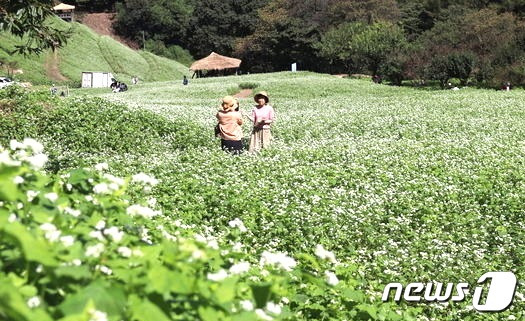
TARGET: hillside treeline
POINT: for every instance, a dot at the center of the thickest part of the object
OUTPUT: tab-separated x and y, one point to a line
478	41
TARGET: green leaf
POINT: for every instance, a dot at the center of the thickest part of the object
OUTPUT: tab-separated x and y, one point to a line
184	284
14	306
210	314
261	294
107	297
74	272
8	189
34	250
226	290
144	310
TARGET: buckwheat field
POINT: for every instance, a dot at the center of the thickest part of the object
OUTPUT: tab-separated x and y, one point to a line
123	207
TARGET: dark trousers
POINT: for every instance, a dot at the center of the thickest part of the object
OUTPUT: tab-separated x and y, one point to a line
233	146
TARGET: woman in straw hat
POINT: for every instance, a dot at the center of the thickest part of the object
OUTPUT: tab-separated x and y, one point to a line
229	127
262	116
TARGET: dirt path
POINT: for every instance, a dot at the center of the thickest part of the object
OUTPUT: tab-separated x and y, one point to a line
101	23
244	93
51	66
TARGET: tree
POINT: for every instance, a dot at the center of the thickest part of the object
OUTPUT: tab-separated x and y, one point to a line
336	45
164	20
455	65
216	24
279	40
27	19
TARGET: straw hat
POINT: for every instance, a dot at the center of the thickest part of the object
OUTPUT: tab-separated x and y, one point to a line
264	95
228	103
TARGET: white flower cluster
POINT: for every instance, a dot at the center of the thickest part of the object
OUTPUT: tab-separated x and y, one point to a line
278	259
323	254
29	150
139	210
148	181
238	223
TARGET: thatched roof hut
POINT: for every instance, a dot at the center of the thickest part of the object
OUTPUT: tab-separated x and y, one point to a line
65	11
215	62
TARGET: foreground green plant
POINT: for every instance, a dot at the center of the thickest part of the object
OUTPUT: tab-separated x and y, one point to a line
77	246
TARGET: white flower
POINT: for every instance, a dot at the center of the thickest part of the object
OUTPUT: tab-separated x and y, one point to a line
33	302
101	188
324	254
246	305
95	250
76	262
261	314
511	317
124	251
145	179
97	235
96	315
51	196
219	276
31	195
72	212
18	180
239	224
6	159
114	233
37	161
279	259
114	180
35	146
143	211
331	278
273	308
237	247
51	232
14	145
100	224
12	217
239	268
152	202
67	240
101	167
104	269
69	187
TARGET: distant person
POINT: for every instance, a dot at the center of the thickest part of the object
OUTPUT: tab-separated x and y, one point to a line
377	79
53	89
134	80
185	81
229	126
506	86
262	117
123	87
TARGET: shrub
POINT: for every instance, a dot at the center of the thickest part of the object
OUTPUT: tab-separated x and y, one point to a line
248	85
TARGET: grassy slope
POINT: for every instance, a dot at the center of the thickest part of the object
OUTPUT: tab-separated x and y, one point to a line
87	51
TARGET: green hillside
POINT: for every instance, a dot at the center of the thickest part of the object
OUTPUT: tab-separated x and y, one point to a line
88	51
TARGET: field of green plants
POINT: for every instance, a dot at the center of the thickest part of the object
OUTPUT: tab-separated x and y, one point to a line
139	215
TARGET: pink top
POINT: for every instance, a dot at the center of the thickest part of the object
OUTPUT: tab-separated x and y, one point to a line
230	125
265	112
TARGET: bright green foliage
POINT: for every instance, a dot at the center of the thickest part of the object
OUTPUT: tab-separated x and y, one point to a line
88	51
28	20
79	247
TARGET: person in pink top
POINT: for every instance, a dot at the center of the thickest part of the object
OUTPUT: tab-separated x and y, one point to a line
262	117
229	126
